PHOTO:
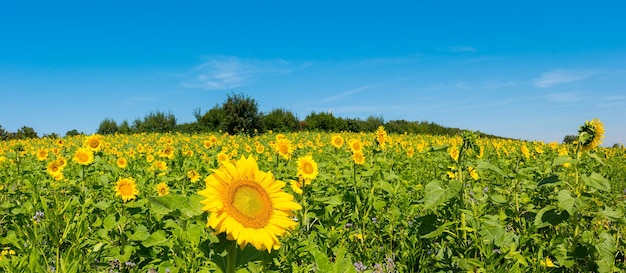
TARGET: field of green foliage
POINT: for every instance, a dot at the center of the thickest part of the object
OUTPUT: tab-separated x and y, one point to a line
362	202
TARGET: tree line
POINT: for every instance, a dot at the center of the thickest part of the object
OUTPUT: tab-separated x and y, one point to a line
239	114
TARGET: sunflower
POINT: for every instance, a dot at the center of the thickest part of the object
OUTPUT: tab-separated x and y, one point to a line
168	152
94	142
355	145
454	153
284	148
381	136
248	205
54	168
121	162
358	157
296	186
83	156
525	151
473	173
126	188
162	189
42	154
193	176
307	168
337	141
590	135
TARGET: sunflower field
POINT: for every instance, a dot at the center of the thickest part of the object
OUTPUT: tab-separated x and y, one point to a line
311	202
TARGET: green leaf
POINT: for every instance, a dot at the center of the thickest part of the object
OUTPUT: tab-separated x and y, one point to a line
334	200
321	261
158	238
484	165
596	157
549	181
141	233
613	215
606	248
562	160
549	216
597	181
109	222
567	202
159	205
435	194
384	185
437	231
102	205
498	198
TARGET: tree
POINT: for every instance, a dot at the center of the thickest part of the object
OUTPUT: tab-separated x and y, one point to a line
52	135
241	115
107	127
26	132
570	139
3	134
72	132
156	122
212	119
280	120
321	121
124	128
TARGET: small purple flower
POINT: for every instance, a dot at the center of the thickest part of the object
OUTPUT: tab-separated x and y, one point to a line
348	225
485	189
496	250
359	266
374	219
38	216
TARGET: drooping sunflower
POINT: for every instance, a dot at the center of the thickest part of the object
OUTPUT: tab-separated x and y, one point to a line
590	135
126	188
307	168
248	205
83	156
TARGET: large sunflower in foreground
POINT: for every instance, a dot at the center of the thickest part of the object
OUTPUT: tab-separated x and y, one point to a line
248	205
590	135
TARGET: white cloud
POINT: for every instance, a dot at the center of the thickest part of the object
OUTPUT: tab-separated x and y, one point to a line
457	49
347	93
554	77
564	97
228	72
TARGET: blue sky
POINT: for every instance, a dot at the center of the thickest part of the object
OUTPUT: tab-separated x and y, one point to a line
532	70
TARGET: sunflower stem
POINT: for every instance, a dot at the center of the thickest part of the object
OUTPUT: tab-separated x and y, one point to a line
231	259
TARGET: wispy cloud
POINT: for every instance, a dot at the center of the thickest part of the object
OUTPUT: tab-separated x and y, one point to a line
138	99
564	97
554	77
227	72
457	49
346	94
